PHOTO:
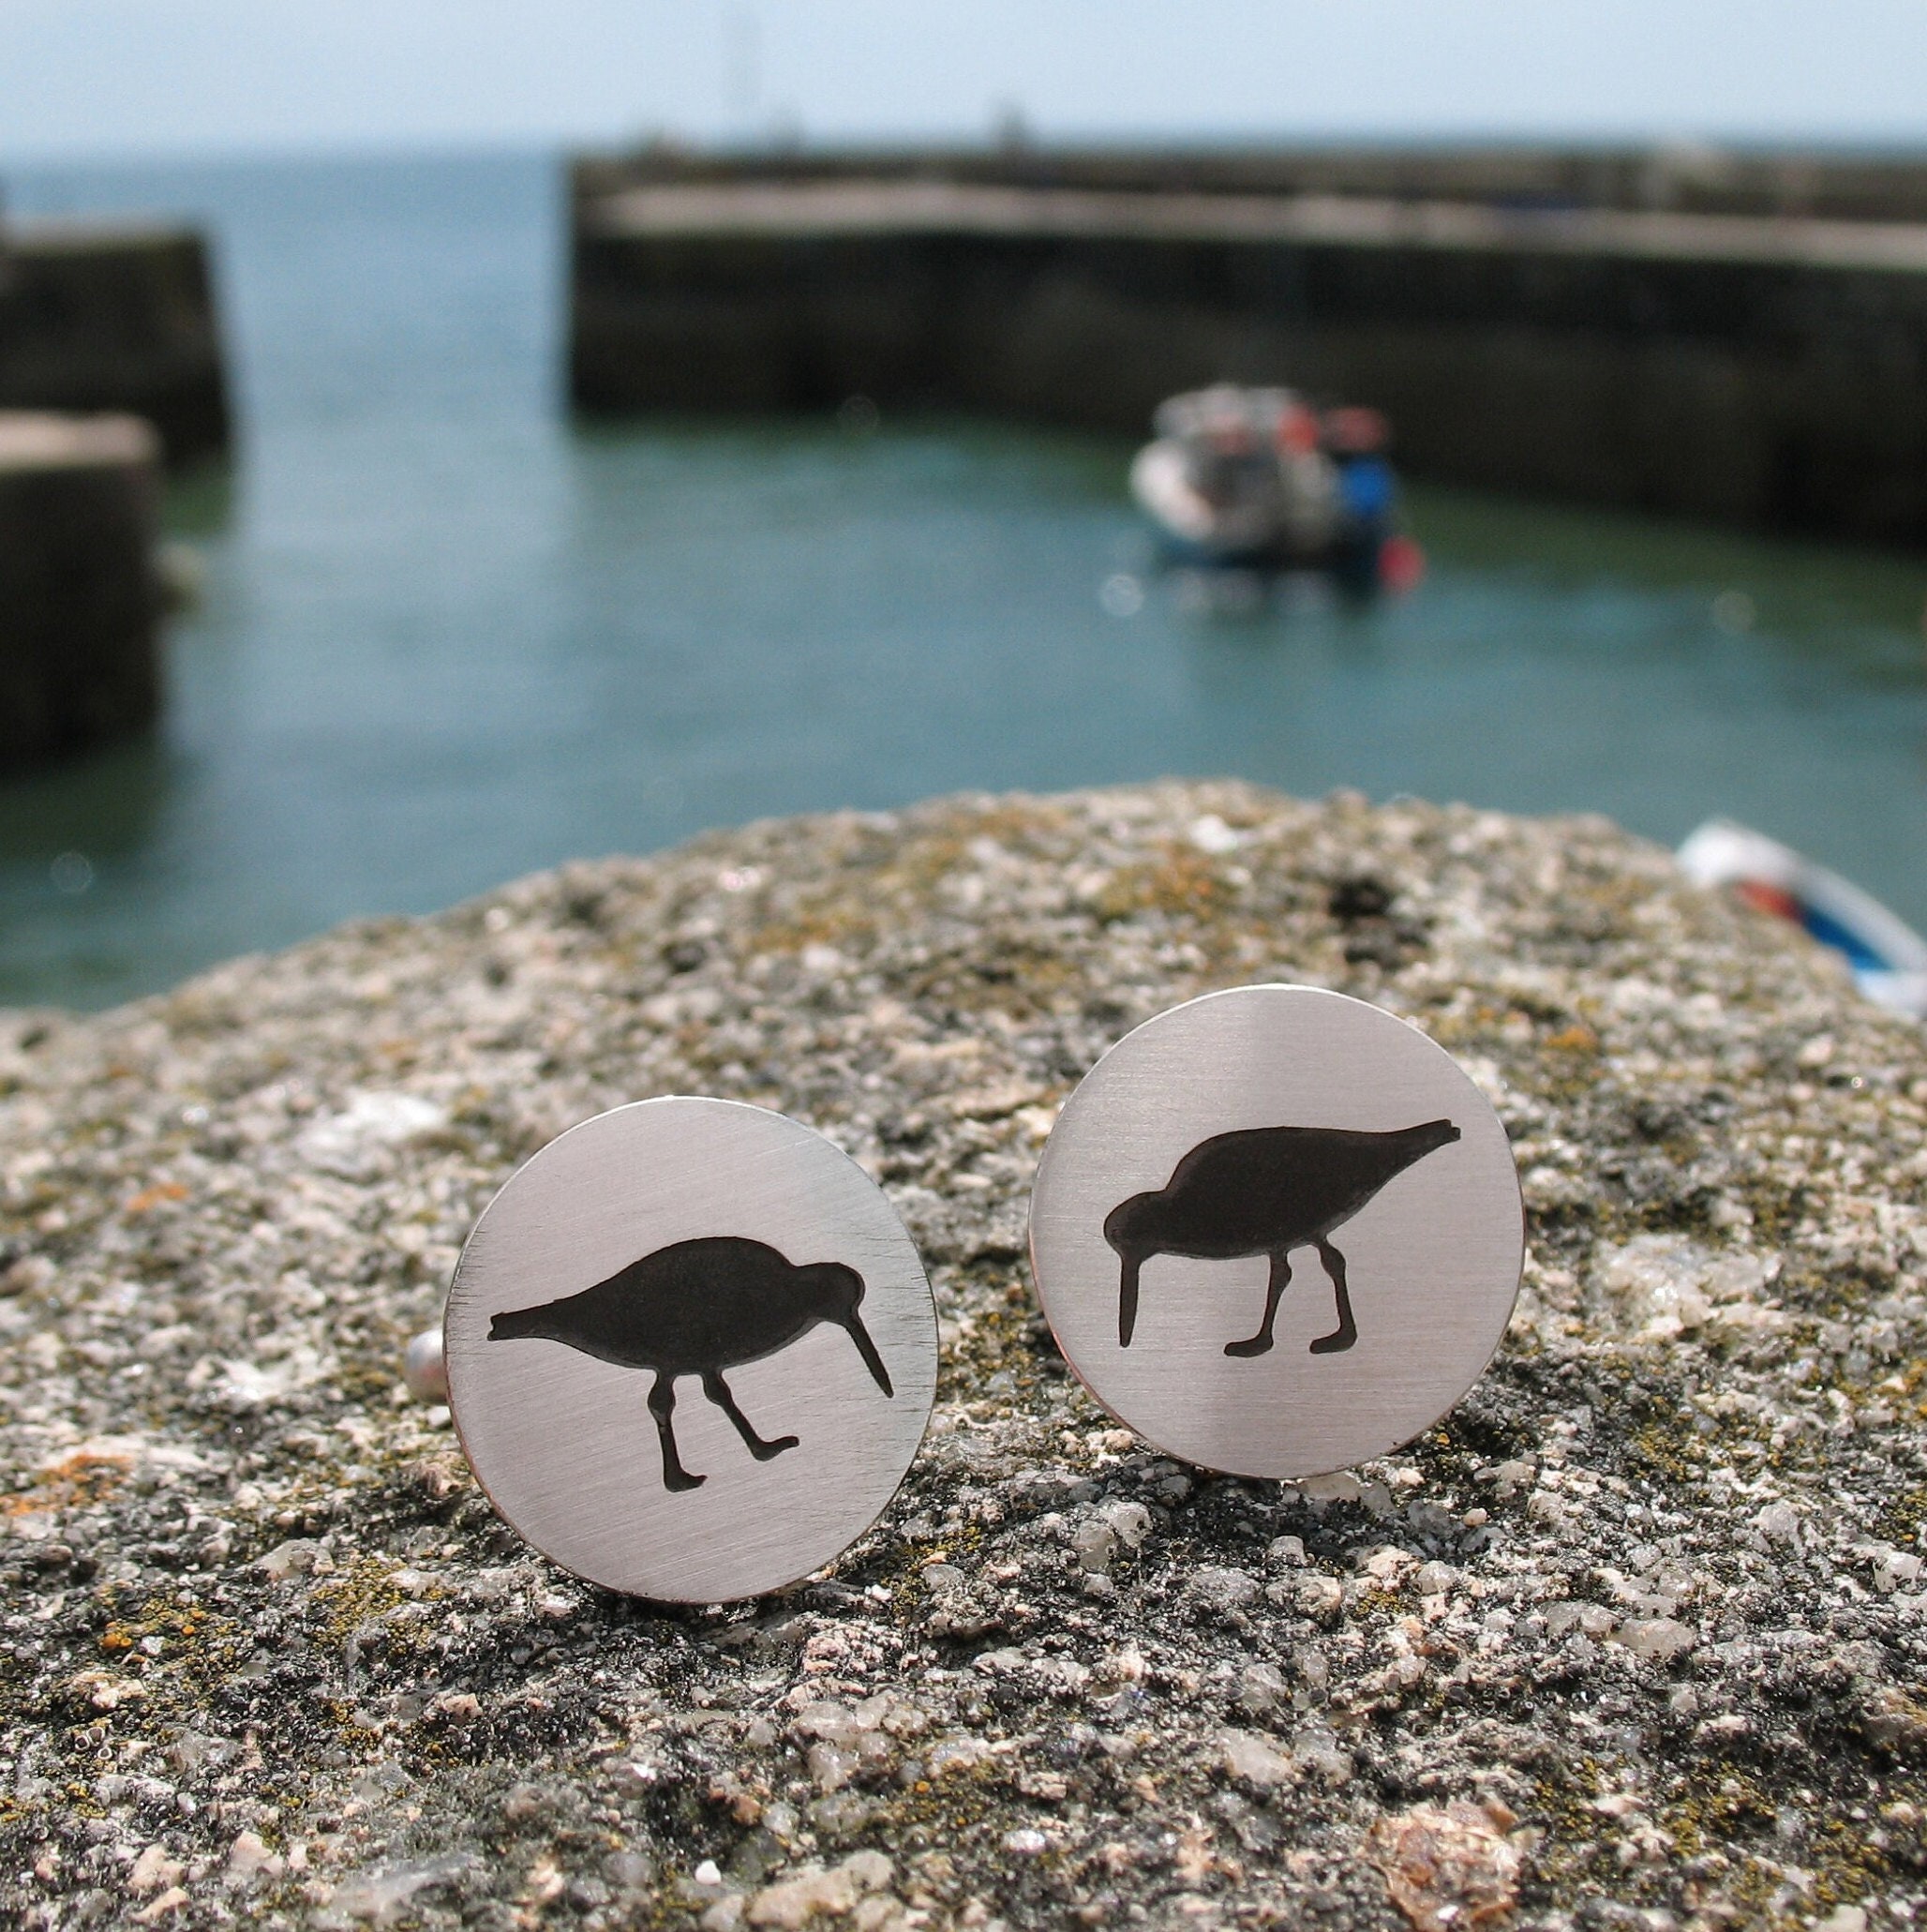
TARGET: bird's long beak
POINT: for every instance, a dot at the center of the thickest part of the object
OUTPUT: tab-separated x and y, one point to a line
867	1349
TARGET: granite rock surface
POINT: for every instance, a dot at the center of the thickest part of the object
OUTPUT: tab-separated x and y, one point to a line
1633	1638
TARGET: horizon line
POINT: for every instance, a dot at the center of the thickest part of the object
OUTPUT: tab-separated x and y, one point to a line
777	141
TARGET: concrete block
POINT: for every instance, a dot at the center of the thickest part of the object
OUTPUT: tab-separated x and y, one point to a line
79	602
97	316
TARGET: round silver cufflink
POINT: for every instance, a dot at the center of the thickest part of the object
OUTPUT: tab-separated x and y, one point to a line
690	1350
1277	1230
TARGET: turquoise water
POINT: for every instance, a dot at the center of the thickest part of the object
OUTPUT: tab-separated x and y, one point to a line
447	636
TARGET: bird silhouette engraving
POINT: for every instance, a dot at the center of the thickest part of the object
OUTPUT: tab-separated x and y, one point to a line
697	1308
1265	1190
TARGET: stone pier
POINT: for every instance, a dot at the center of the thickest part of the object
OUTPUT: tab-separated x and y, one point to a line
115	317
1686	178
1761	368
79	602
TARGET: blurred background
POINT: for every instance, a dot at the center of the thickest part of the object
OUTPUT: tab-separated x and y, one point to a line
582	424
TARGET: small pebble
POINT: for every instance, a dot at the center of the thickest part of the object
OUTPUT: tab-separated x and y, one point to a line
423	1367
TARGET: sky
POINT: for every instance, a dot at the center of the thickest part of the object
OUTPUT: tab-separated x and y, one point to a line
82	77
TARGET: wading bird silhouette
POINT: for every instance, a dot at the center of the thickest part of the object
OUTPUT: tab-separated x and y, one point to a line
1265	1190
696	1308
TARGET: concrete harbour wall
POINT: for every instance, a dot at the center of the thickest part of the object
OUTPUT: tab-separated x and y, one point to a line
79	602
115	318
1762	370
1685	178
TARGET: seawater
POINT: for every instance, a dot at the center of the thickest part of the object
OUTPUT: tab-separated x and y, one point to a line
447	636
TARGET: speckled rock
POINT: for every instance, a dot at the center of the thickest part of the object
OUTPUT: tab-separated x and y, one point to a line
1633	1638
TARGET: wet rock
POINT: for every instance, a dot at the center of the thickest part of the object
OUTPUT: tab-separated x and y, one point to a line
1656	1587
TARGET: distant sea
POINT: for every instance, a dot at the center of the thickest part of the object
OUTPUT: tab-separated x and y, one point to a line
446	636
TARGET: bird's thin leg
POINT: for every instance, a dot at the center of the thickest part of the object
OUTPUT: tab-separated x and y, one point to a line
1346	1333
718	1392
1280	1278
662	1404
1128	1299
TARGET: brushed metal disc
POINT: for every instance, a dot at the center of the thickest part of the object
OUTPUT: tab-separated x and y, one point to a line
1233	1129
721	1240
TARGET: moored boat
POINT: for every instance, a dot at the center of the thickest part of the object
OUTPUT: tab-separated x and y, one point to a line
1888	959
1256	479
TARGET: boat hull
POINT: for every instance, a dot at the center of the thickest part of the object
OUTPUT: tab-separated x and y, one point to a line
1887	957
